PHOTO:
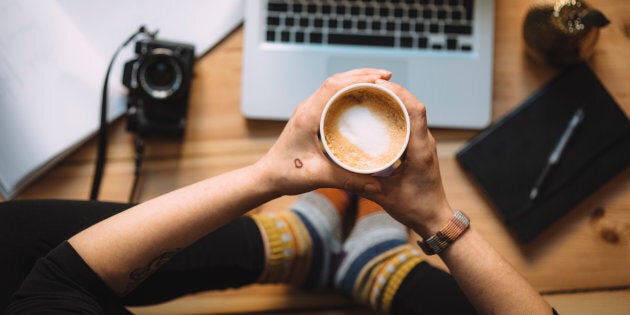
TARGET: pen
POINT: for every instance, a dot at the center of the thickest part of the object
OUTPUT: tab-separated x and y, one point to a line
555	155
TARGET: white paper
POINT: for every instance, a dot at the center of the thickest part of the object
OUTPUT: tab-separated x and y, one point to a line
53	59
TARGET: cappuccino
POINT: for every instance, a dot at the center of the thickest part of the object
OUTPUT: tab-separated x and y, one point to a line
365	128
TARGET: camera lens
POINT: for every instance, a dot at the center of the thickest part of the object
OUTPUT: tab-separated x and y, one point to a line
160	75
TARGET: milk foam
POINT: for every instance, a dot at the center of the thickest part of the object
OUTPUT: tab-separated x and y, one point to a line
363	129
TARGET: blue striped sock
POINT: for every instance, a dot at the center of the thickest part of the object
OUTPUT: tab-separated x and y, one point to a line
374	238
322	220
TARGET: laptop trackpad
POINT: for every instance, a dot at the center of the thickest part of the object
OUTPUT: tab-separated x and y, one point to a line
397	67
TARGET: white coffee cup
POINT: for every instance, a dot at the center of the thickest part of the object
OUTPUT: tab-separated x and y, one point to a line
365	129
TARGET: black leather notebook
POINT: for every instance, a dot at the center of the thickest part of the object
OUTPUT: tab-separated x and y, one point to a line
506	159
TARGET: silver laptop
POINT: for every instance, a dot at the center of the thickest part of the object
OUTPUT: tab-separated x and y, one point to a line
441	50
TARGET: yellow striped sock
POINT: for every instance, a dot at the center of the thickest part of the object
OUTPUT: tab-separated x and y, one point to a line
304	253
368	275
289	253
395	282
287	247
280	247
388	277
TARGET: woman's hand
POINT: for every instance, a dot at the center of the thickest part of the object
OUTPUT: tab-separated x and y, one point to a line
414	194
295	163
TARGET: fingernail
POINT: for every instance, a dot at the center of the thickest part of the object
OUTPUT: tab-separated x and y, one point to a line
380	81
371	188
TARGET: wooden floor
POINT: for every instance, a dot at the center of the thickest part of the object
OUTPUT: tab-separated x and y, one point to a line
581	264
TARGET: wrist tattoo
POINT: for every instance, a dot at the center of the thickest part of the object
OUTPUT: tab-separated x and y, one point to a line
140	274
298	163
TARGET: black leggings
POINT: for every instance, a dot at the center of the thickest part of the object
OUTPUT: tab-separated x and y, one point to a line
229	257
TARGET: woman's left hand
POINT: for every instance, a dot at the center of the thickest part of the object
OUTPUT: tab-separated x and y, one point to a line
295	163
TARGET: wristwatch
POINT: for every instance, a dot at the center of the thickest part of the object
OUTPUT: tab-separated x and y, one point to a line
450	232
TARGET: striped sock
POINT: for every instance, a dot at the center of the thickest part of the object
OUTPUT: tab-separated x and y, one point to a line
375	258
301	243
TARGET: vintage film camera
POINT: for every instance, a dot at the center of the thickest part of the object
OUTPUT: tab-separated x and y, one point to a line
158	81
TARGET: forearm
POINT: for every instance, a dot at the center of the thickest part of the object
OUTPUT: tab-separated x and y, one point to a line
126	248
414	195
489	282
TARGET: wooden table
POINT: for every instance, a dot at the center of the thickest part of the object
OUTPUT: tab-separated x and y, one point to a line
581	264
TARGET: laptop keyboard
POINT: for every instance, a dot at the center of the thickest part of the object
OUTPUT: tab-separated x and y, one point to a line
405	24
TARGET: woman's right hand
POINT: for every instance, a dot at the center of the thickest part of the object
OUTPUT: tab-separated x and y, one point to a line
414	194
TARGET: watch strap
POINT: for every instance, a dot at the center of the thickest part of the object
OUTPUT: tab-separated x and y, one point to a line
450	232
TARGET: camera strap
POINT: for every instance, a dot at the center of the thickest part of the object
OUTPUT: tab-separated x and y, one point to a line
102	133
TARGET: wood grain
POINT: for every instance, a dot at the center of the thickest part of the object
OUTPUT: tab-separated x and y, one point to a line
264	299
